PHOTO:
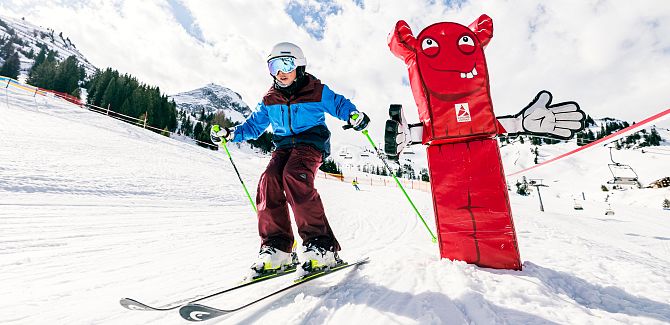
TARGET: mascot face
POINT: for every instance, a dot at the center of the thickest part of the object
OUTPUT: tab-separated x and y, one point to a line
451	61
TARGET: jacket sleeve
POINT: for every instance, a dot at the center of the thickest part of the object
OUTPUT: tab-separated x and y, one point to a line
254	126
336	104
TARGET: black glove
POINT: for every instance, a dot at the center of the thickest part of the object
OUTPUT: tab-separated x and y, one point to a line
358	121
218	134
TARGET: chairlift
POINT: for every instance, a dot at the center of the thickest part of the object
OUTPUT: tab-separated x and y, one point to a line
609	211
624	175
578	206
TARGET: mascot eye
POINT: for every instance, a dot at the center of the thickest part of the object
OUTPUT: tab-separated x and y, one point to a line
466	44
430	46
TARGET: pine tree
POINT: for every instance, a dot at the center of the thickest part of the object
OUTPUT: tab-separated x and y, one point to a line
126	95
109	94
100	82
329	166
186	127
264	142
197	131
7	50
40	57
68	74
43	75
51	56
666	204
11	67
589	121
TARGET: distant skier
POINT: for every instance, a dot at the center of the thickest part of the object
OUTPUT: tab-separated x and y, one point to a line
355	184
295	107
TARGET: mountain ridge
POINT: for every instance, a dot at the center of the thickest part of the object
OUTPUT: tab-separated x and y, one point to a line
213	98
28	39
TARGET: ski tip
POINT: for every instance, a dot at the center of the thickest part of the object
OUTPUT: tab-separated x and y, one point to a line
133	304
199	313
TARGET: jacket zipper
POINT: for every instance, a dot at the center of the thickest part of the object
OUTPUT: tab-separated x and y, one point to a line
282	114
290	127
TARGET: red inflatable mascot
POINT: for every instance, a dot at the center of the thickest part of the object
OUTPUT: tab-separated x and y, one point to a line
450	83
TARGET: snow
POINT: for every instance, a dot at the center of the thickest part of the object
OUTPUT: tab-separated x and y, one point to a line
93	210
32	37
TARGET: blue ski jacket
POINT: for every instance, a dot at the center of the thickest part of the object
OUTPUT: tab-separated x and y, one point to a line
297	119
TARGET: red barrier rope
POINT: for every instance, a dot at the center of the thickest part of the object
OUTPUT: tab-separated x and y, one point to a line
618	133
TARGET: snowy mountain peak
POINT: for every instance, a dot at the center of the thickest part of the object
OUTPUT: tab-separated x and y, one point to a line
28	39
212	98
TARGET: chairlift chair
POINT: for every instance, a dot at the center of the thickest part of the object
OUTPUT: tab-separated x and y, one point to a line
609	211
630	178
578	206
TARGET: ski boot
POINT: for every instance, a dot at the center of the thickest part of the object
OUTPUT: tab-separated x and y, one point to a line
315	258
271	261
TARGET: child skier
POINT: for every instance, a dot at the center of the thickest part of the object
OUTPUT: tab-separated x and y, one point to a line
295	107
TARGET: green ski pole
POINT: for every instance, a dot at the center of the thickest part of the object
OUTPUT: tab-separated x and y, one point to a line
223	144
383	158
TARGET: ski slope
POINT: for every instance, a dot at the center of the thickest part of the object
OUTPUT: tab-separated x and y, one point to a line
93	210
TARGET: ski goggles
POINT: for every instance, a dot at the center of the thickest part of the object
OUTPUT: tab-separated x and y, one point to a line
284	64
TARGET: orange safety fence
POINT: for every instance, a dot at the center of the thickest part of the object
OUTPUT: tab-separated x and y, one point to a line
376	180
37	90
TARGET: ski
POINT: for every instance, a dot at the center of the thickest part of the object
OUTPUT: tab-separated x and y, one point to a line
133	304
196	312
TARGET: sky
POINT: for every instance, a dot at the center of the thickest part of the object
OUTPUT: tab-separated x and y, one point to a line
611	57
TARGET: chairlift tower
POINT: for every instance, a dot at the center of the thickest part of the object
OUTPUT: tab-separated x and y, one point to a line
538	183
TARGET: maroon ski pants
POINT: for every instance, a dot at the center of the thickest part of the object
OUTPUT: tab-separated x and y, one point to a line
289	180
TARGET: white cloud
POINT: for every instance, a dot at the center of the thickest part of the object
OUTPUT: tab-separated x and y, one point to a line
612	57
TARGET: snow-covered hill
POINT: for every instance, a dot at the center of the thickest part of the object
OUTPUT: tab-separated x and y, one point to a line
28	39
212	98
101	210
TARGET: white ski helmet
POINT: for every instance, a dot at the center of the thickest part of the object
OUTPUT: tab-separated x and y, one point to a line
288	49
